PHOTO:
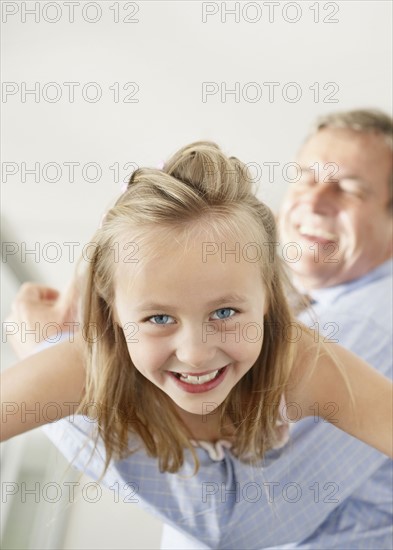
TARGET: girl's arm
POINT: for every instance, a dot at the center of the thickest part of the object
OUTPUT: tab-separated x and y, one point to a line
44	387
321	388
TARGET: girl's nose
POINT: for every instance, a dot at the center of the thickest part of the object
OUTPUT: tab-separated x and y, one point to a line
195	350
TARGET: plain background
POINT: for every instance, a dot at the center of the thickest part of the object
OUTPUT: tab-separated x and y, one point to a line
149	61
169	53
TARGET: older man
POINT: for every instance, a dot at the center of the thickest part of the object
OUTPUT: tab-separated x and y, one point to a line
339	211
339	216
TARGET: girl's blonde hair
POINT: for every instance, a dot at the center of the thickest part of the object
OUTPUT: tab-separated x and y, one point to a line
199	187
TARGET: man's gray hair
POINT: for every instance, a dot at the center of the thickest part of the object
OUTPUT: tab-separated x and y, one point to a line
360	120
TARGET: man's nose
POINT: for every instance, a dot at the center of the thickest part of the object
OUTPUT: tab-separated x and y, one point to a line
321	198
195	349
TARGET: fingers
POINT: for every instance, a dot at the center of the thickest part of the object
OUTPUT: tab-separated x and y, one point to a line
36	302
37	312
33	302
36	293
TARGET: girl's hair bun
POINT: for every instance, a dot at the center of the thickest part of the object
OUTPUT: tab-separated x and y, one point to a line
204	167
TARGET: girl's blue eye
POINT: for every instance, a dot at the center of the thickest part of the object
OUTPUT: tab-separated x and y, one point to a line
222	313
161	319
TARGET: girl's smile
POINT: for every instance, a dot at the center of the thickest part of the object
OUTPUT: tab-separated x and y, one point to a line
194	383
200	323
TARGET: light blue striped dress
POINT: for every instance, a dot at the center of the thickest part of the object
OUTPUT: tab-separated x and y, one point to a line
322	490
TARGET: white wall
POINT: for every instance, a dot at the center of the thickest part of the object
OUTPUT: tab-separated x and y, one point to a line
169	52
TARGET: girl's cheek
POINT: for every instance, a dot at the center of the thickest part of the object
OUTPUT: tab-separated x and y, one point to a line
245	349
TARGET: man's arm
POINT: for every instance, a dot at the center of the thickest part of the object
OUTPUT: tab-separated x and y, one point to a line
50	383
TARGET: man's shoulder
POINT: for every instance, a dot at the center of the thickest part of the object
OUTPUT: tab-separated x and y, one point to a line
367	300
369	308
360	318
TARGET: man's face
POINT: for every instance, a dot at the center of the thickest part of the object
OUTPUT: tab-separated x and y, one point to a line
337	212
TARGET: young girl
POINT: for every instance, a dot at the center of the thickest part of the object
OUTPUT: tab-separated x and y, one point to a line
190	365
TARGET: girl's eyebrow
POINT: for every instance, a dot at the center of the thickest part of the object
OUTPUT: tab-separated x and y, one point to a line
228	298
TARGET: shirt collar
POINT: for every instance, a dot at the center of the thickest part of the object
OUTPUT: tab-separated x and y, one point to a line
330	294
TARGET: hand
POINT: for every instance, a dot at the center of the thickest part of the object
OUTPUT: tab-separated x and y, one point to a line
39	313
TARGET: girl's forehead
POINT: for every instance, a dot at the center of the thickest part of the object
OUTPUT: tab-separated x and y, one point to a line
198	268
148	251
154	241
188	259
200	277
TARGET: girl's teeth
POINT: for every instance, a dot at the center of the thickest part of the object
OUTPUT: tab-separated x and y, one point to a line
198	379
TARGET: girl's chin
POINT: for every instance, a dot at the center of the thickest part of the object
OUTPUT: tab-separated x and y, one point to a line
205	409
201	409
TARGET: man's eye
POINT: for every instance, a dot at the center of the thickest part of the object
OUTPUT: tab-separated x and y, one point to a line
351	189
223	313
160	319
